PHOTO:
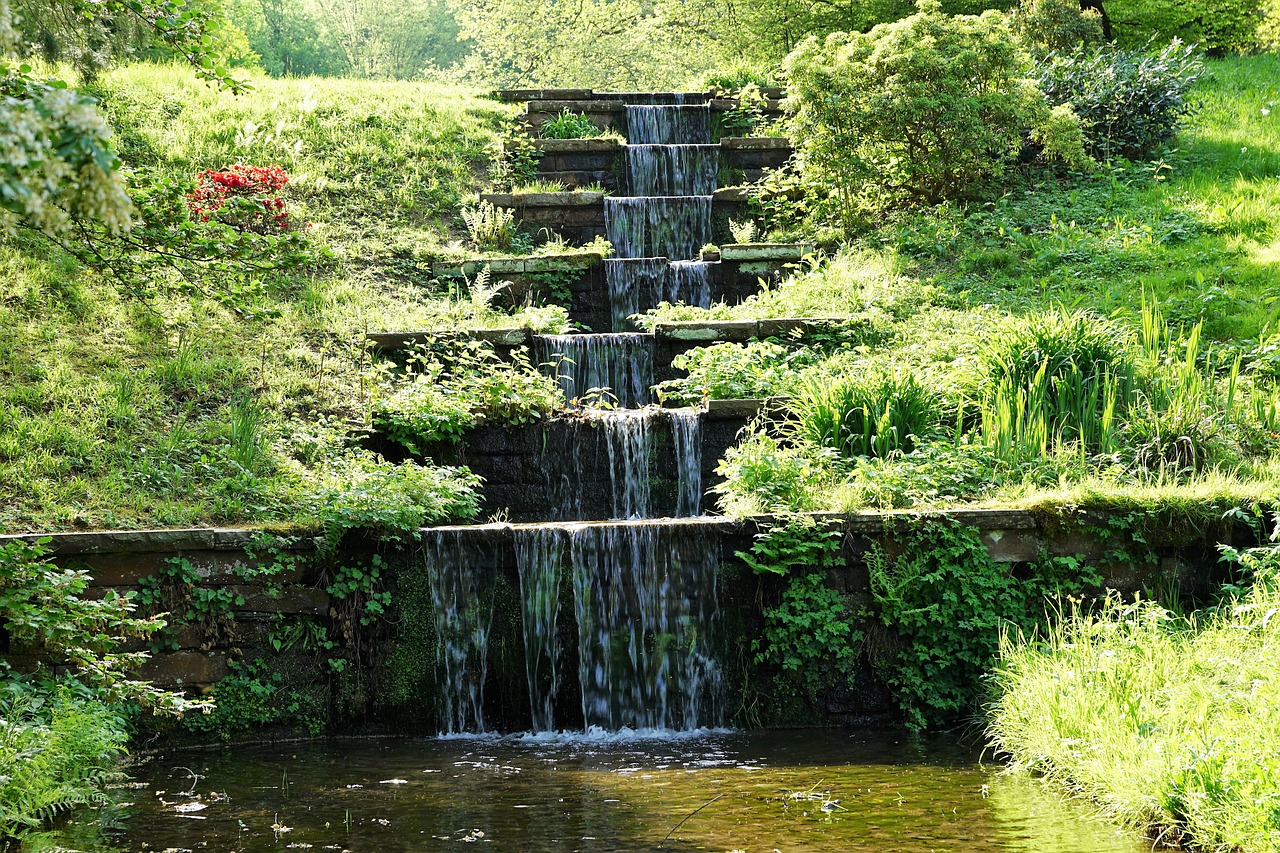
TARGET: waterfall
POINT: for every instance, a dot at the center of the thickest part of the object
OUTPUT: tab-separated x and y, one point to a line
630	449
688	282
661	226
668	125
645	601
619	362
632	283
462	620
538	556
686	434
672	170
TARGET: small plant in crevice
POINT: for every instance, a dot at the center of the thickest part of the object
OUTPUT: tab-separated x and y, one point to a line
178	592
490	227
569	125
809	635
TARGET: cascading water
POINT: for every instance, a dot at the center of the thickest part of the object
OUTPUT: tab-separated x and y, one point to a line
672	170
459	588
638	284
538	556
622	364
669	125
686	431
658	226
645	601
630	449
688	282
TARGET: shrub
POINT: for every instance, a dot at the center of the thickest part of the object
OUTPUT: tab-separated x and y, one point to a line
1130	102
569	125
923	109
762	475
1046	26
729	372
869	414
246	197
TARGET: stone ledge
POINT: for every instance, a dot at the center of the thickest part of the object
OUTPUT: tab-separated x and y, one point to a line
589	145
576	105
565	199
515	96
764	251
736	330
148	541
392	341
525	264
756	143
771	105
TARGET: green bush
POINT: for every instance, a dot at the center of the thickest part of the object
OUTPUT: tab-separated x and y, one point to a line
1130	102
729	372
763	475
924	109
1046	26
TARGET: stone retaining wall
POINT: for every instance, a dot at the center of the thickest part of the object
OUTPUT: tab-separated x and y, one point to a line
578	163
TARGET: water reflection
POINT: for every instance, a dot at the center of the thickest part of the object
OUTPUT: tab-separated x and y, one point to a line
811	790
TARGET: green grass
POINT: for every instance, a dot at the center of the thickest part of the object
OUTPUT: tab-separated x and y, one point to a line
1167	724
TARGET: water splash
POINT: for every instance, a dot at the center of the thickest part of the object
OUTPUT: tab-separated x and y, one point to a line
539	552
686	432
622	363
669	125
688	282
672	170
645	601
662	226
459	590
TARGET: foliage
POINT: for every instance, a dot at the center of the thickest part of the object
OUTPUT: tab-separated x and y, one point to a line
58	750
925	109
810	632
763	475
448	391
253	697
361	586
392	501
492	228
728	372
1166	723
1055	26
1217	26
946	601
1129	102
868	414
568	125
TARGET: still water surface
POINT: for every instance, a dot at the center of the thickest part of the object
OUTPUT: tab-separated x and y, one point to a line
761	791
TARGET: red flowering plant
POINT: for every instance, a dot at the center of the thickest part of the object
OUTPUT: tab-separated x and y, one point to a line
244	197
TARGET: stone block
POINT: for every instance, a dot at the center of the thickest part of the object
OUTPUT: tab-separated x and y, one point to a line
606	145
717	330
1011	546
756	143
515	96
182	669
295	599
734	409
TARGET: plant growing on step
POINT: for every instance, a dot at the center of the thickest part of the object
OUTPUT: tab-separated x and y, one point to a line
490	227
363	491
743	232
733	372
176	593
569	125
810	633
453	388
747	115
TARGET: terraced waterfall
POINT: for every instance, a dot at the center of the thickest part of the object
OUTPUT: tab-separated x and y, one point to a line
642	594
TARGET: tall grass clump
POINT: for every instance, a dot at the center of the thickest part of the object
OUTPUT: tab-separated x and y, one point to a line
1055	379
869	414
1169	724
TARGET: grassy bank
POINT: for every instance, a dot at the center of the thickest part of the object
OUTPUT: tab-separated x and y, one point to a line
1169	724
191	409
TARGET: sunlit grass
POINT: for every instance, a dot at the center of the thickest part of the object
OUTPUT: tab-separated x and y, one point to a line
1167	724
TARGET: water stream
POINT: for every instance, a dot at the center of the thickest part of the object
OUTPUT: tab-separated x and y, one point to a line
818	791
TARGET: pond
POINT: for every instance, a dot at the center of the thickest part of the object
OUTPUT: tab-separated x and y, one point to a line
815	790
